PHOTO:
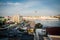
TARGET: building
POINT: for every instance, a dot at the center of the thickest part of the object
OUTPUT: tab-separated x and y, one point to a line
16	18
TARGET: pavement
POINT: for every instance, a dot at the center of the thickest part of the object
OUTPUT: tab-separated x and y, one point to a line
55	37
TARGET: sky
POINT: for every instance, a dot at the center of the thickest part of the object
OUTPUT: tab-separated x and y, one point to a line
30	7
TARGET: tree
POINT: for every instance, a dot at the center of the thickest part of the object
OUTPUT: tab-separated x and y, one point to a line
38	25
2	21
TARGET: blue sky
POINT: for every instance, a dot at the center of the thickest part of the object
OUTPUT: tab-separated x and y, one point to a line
29	7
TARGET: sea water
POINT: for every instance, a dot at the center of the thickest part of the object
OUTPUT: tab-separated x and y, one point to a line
50	23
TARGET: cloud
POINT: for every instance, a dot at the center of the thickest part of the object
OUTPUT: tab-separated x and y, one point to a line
26	8
11	8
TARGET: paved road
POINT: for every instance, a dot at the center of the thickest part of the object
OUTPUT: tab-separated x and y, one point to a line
18	38
15	34
23	37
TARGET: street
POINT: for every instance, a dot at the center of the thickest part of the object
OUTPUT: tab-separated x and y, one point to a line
23	37
13	33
